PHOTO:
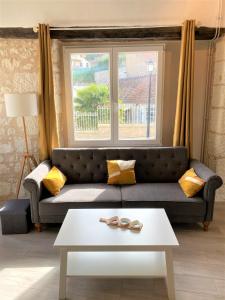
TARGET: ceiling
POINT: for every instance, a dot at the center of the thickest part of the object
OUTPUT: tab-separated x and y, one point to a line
28	13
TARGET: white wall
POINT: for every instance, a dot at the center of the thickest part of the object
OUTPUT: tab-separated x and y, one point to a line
28	13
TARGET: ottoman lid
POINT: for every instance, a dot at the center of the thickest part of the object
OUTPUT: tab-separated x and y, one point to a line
15	206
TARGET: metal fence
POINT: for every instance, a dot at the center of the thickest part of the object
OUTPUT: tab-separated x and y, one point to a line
128	114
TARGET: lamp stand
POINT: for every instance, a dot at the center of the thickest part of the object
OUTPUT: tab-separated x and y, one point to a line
27	159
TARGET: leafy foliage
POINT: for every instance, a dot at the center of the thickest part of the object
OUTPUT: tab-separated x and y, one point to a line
90	97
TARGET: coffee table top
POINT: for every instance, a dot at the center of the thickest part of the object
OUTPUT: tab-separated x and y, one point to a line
82	231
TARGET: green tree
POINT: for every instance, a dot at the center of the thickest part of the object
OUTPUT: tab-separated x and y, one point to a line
88	98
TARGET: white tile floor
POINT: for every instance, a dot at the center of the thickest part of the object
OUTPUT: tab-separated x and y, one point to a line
29	268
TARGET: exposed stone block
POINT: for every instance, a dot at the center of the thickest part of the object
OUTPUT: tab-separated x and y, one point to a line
5	188
217	120
220	194
220	50
219	72
220	170
6	148
218	96
216	145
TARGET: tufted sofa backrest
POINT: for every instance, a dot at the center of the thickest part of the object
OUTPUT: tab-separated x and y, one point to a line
159	164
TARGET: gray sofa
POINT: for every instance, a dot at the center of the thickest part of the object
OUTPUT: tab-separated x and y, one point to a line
157	172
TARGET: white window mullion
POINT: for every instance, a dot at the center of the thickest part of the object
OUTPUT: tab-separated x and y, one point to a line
115	95
160	93
111	97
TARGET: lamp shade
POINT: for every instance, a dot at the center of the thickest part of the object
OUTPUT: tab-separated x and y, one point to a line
20	105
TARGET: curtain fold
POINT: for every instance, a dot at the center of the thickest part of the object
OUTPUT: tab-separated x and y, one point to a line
183	127
48	133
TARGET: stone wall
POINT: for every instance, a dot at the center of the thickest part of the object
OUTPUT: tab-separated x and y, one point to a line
19	74
215	147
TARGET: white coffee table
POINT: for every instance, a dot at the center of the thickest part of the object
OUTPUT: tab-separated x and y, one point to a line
89	248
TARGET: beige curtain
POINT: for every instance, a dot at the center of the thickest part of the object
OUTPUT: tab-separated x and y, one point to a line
184	112
48	134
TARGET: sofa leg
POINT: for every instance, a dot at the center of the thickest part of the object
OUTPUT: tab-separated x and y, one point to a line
38	227
206	225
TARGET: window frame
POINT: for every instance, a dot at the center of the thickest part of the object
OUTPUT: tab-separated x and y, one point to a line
113	51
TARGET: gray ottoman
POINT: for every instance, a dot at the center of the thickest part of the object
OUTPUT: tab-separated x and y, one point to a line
15	216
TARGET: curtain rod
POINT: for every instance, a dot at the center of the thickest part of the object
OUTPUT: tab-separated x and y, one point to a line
35	28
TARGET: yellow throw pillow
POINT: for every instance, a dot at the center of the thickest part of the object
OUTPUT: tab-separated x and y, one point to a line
121	171
191	183
54	181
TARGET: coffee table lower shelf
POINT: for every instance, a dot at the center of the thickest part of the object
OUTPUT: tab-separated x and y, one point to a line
116	264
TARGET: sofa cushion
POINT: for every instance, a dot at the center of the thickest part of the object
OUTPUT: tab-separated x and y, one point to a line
81	196
121	172
162	195
54	181
191	183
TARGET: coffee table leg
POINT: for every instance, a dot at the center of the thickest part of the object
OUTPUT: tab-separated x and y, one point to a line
170	275
62	277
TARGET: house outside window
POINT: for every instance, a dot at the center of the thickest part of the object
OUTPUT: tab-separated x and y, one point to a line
114	95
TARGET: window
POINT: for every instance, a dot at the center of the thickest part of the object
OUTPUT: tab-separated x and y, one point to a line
114	95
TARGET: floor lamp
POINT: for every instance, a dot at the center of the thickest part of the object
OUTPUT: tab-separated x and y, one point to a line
21	105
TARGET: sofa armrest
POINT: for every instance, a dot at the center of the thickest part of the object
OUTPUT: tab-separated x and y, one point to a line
213	182
33	184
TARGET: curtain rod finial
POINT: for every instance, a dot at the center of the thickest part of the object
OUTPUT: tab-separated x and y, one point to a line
35	29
